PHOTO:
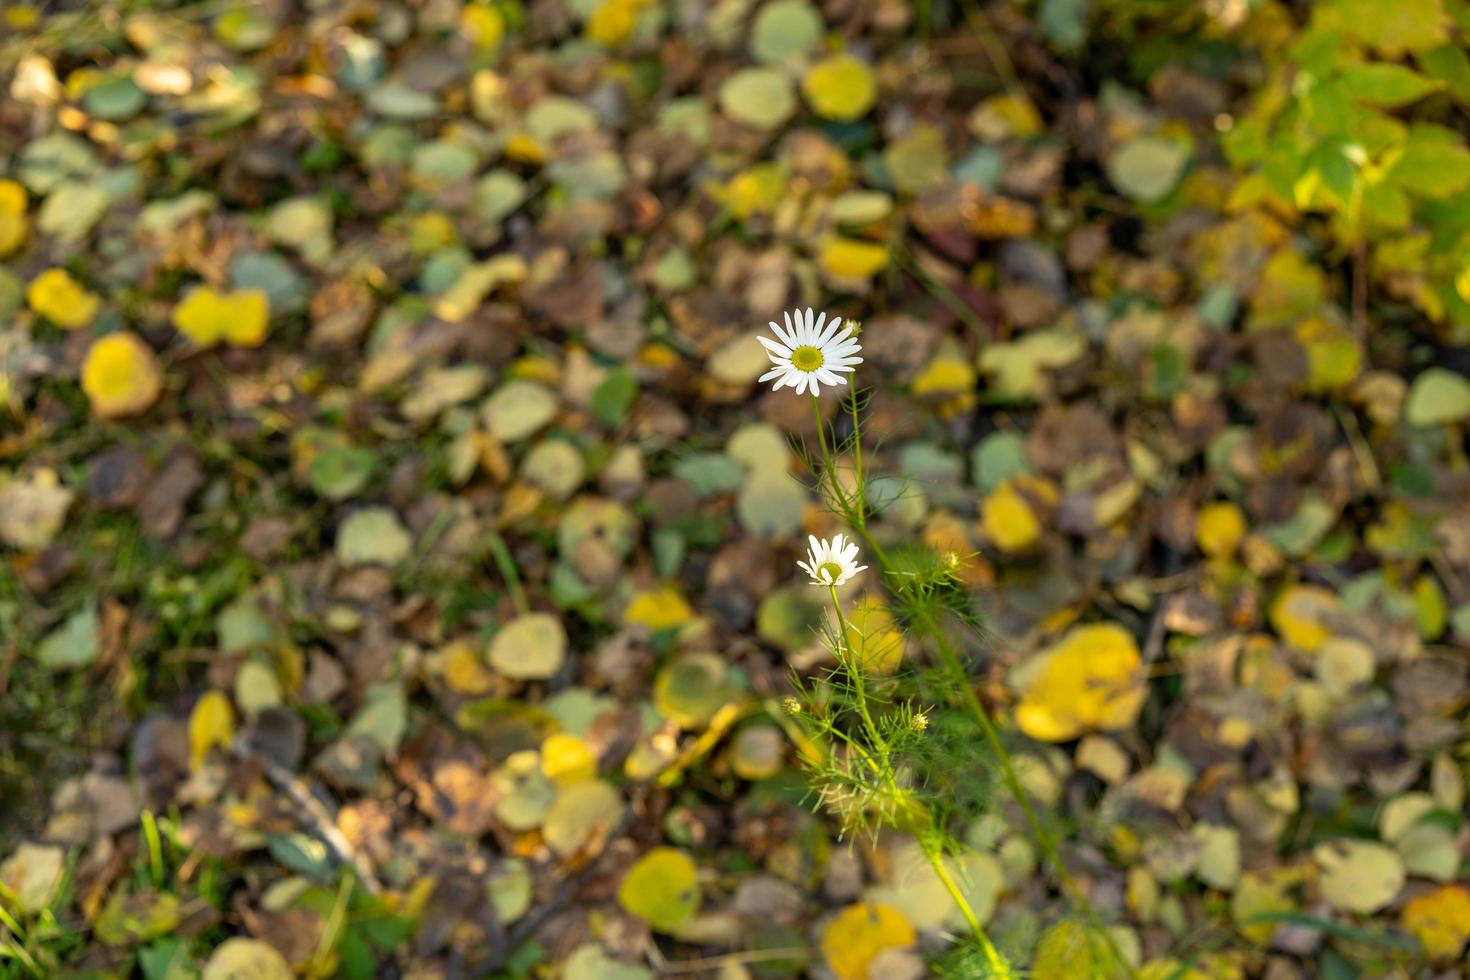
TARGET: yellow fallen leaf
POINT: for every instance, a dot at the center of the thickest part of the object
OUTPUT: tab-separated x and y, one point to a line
430	231
662	889
524	148
1002	117
840	88
1299	615
1218	528
61	299
658	609
1008	518
945	376
566	759
1170	969
13	222
1359	876
463	669
612	23
996	217
120	375
1333	355
1070	950
1431	612
754	191
1257	897
483	25
873	637
1440	920
241	317
211	723
858	933
1090	681
851	258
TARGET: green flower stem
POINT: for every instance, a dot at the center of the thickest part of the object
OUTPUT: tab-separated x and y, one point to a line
950	660
1043	834
904	807
829	460
992	955
855	673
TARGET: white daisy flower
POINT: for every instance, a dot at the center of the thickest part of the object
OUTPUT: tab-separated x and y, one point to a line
831	562
807	355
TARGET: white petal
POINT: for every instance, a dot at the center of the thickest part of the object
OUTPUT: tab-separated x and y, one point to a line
831	330
784	350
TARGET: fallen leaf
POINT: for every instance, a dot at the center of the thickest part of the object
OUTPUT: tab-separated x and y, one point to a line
662	889
1091	680
858	933
121	376
240	317
1440	920
61	299
211	725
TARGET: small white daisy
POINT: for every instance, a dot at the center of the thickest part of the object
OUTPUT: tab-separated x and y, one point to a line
806	355
831	562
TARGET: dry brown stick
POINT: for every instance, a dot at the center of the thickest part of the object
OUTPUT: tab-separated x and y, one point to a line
313	816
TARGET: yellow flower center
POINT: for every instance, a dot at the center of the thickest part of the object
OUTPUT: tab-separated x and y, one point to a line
830	570
806	358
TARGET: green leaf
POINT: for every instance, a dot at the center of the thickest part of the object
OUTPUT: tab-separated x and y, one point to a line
1436	397
73	644
1434	163
662	889
1408	26
1387	206
1148	169
612	399
785	29
1449	64
340	473
1385	84
761	98
1063	22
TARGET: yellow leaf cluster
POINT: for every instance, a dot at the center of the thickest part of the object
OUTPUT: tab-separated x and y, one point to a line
658	609
1091	681
120	375
13	222
240	317
1440	920
857	934
61	299
840	88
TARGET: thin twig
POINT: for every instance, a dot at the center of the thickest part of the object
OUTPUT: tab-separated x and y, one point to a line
662	965
313	815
